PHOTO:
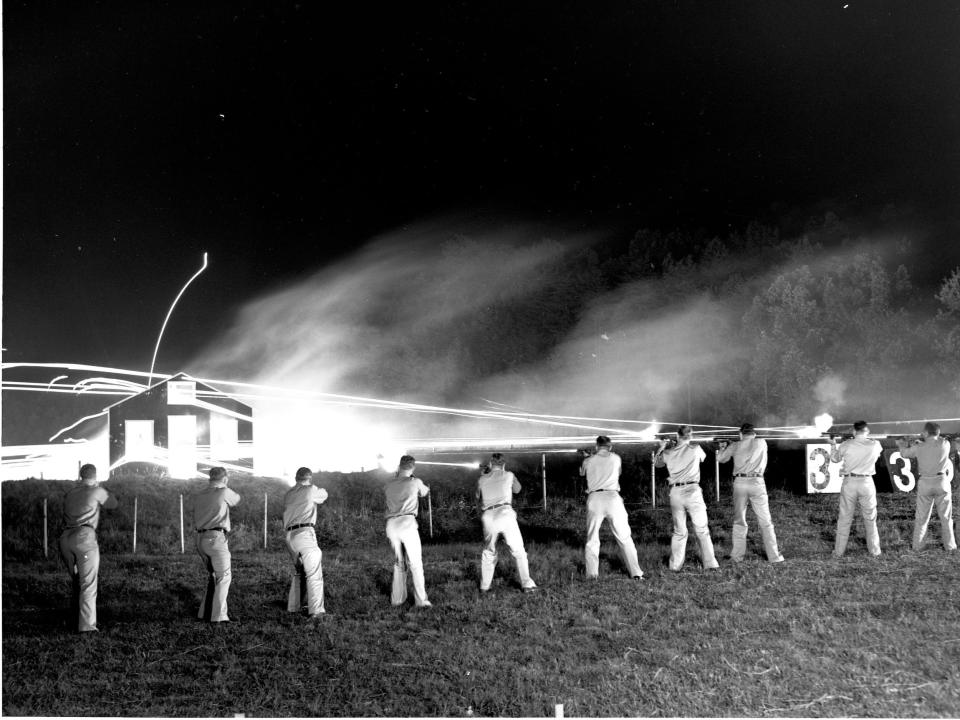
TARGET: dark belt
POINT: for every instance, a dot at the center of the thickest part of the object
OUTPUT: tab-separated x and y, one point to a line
736	475
221	529
297	527
401	515
77	527
494	507
601	490
857	475
689	482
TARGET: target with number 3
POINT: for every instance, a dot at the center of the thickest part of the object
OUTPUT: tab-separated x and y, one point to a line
823	476
901	470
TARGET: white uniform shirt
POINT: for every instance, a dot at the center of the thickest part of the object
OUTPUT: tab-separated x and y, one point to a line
401	495
300	504
933	456
602	471
683	462
497	488
211	507
749	455
81	505
858	455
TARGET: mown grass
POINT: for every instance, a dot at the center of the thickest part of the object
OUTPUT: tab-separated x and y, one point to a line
810	637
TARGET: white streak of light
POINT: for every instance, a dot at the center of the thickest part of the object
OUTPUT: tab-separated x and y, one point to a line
471	465
68	427
170	312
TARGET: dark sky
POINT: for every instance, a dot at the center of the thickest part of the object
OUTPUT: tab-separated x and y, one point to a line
278	136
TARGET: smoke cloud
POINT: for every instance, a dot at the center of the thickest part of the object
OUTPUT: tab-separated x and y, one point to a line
502	319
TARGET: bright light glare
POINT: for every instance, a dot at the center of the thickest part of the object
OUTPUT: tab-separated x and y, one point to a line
302	434
650	433
821	424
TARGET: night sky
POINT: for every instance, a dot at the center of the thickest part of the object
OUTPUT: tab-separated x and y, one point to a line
282	136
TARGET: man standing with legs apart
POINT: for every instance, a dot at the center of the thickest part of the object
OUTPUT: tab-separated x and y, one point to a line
402	496
749	456
299	517
211	519
933	487
494	490
79	548
602	471
683	462
859	457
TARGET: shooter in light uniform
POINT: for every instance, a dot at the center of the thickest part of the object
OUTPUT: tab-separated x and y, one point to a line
602	471
859	457
211	519
79	548
749	456
299	517
494	490
402	500
683	462
933	486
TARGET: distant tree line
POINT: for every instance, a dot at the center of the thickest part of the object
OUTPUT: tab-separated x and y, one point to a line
826	320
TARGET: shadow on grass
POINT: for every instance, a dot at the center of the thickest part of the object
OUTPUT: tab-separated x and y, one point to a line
550	534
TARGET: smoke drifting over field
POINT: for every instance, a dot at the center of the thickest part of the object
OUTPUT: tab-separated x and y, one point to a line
434	317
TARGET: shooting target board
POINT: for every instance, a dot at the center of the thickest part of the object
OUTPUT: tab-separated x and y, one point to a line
823	476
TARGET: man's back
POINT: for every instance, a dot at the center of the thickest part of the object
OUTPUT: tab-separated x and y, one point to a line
497	487
300	504
401	496
933	456
683	462
858	455
211	507
602	471
81	505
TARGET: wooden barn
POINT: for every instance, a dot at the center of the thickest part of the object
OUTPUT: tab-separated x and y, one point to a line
182	425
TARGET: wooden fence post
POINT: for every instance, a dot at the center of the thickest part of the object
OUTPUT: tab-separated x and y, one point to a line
543	460
264	521
716	473
134	523
182	548
45	540
653	479
430	513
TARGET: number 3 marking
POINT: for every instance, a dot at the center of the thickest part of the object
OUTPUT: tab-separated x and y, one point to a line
820	478
903	478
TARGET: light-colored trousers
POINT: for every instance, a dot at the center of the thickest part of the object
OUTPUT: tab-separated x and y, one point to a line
754	491
404	535
215	553
496	522
307	571
863	491
934	492
601	506
684	500
81	554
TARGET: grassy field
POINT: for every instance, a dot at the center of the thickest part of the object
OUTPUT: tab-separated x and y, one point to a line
810	637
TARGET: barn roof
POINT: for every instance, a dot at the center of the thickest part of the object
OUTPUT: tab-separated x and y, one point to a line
178	376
